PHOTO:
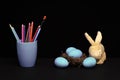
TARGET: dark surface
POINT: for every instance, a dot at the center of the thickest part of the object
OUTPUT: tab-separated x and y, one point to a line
45	70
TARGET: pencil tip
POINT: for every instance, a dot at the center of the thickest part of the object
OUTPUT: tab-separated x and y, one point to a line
10	25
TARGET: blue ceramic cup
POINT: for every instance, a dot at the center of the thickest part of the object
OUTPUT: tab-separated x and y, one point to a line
27	53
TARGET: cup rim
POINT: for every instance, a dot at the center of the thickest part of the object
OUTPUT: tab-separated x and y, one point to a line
26	42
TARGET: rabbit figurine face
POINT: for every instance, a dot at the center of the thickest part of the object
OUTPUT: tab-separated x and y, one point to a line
96	49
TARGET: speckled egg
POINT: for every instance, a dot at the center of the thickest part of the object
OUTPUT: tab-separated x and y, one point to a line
69	49
89	62
76	53
61	62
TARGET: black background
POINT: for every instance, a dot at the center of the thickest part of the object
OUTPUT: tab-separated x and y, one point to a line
65	25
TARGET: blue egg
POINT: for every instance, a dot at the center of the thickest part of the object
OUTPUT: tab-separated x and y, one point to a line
89	62
69	49
61	62
76	53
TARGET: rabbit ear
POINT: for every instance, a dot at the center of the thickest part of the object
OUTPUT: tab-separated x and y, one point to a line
98	37
91	41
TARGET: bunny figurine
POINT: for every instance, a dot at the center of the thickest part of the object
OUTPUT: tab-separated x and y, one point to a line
96	49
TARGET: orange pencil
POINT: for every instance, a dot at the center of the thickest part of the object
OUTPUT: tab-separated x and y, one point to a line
31	31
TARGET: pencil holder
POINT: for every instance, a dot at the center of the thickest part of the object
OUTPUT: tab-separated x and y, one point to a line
27	53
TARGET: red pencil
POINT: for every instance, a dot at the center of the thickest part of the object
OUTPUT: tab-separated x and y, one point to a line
36	32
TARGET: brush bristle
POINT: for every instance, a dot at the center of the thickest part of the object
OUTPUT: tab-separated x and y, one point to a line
44	17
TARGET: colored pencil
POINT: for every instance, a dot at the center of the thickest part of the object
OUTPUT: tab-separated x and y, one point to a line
23	33
36	33
31	31
14	32
27	34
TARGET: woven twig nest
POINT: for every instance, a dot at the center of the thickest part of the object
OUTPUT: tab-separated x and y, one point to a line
74	61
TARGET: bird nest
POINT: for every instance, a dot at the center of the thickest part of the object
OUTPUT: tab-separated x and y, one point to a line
74	61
